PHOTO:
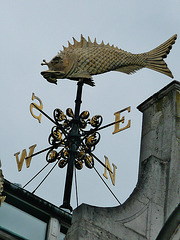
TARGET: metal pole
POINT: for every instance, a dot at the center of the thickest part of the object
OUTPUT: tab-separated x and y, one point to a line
74	140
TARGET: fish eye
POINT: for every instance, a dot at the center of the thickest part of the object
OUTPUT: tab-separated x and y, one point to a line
56	59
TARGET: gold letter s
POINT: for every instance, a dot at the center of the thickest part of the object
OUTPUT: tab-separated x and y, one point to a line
40	107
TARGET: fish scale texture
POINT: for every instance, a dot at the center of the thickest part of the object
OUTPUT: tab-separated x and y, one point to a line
99	59
84	59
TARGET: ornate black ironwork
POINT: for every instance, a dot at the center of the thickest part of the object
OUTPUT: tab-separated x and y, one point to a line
62	136
75	134
72	142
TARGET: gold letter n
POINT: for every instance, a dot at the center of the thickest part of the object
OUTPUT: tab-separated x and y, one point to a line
112	175
23	156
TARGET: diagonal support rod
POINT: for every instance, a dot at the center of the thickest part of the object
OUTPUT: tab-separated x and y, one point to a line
107	186
100	162
45	177
97	129
108	125
41	111
35	175
59	125
37	153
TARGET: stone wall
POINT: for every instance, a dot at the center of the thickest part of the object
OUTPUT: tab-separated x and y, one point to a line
157	192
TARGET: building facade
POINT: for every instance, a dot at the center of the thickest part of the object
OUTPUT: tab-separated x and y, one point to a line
153	209
24	216
152	212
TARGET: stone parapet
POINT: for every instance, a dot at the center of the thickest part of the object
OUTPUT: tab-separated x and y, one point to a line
157	192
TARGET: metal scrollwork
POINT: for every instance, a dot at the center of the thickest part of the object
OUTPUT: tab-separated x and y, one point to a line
51	156
59	115
93	139
62	136
96	121
69	112
78	164
89	161
56	134
84	115
62	163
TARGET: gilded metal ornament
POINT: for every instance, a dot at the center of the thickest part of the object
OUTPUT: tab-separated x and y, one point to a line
51	156
62	163
61	137
84	59
89	161
59	115
72	142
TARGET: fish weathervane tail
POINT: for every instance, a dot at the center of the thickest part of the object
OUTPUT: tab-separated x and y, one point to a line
155	57
84	59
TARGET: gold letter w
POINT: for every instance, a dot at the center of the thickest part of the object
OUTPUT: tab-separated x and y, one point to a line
23	156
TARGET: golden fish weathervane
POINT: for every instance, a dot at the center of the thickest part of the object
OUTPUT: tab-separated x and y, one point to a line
84	59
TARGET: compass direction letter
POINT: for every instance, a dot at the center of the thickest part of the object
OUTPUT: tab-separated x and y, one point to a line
118	120
108	166
24	156
40	107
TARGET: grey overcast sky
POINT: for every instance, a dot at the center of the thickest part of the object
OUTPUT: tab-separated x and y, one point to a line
31	31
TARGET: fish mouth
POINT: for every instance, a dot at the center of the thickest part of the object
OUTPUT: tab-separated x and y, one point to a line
52	76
